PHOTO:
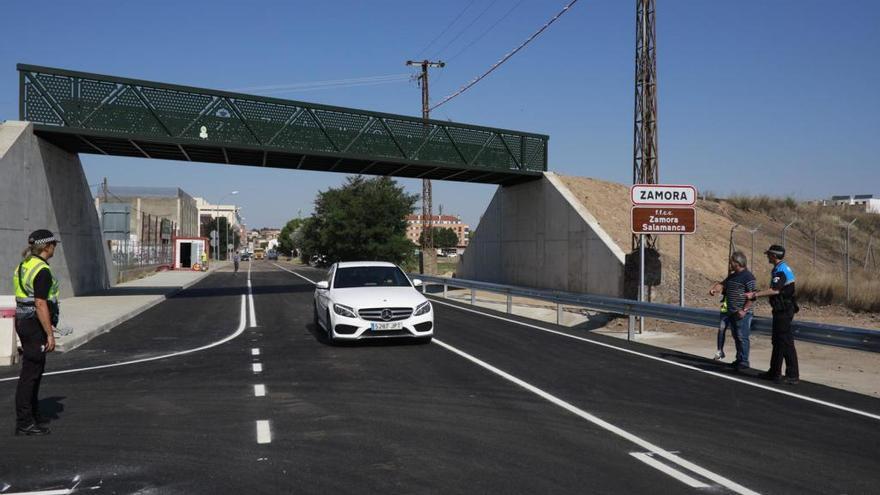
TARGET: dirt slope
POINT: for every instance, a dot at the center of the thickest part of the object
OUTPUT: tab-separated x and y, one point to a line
706	251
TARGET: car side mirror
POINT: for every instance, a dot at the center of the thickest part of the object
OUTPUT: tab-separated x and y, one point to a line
417	282
323	285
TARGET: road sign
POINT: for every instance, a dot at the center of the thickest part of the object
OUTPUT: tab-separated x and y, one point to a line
213	234
663	194
658	220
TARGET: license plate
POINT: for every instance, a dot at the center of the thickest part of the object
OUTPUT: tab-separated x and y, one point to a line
392	325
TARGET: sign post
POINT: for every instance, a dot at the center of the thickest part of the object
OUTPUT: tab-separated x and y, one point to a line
662	209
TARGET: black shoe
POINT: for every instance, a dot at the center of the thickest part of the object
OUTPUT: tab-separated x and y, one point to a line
40	420
792	381
768	376
741	367
32	430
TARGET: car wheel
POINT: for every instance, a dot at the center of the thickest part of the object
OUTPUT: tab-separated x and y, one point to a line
330	337
316	319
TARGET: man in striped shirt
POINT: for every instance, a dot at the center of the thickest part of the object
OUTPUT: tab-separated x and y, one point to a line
739	308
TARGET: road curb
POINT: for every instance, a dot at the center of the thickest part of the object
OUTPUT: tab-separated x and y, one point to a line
69	343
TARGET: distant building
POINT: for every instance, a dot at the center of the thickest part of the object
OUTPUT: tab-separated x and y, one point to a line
136	211
231	213
862	202
414	227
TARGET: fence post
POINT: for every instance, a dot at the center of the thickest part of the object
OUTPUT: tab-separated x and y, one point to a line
509	304
559	313
473	297
445	290
784	229
847	257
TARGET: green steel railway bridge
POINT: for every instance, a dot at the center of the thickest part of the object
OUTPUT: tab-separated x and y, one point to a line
92	113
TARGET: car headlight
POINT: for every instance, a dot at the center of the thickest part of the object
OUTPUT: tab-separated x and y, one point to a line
423	308
343	310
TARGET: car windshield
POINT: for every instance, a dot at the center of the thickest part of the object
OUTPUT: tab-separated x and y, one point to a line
370	276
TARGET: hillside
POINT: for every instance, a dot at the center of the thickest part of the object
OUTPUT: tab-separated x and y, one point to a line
706	251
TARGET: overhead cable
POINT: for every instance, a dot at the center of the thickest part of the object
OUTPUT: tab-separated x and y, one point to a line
423	50
464	30
472	43
326	84
506	57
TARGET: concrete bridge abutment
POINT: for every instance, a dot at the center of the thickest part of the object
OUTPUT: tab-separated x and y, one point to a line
44	186
537	234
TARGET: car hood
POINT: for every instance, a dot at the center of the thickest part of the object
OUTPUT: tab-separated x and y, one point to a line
378	297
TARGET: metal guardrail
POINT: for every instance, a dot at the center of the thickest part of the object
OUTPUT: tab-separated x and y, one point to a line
821	333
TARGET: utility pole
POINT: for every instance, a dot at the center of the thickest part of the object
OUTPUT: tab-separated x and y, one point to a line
428	255
645	146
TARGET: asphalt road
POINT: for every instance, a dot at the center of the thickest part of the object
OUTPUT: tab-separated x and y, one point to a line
205	393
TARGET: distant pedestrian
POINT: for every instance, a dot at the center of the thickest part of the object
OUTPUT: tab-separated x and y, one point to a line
783	302
36	315
738	283
236	259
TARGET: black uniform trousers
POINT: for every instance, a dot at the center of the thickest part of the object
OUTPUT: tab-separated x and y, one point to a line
30	333
783	346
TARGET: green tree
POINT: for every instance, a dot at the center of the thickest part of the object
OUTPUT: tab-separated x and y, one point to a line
286	242
225	233
443	238
362	220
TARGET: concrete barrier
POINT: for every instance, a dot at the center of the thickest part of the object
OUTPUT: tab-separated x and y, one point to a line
8	339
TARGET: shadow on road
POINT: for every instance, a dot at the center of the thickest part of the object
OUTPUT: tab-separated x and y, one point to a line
51	407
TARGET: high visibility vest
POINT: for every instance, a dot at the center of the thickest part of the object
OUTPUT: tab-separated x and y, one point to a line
23	281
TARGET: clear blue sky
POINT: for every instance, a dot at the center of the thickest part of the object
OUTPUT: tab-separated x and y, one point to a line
757	97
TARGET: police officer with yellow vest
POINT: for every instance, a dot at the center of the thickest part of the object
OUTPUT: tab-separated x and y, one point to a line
36	314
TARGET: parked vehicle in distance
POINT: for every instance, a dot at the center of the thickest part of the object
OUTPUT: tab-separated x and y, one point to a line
245	256
318	260
371	299
259	253
272	255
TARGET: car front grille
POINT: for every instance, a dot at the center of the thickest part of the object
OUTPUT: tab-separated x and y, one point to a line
375	314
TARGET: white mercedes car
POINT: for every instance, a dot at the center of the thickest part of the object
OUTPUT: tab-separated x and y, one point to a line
371	299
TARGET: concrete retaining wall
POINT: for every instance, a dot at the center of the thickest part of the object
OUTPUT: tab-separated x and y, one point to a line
538	235
44	186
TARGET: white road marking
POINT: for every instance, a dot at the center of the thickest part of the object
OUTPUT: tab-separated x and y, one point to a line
673	363
669	456
264	433
251	307
675	473
63	491
258	367
259	390
255	352
241	326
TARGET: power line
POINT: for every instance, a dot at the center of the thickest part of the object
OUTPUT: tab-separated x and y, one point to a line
475	19
506	57
332	83
472	43
446	28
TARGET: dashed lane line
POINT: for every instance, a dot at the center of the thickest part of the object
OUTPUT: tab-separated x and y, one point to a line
258	367
675	473
259	390
264	432
255	352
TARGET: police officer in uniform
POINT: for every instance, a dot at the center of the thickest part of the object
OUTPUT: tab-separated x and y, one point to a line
36	314
783	302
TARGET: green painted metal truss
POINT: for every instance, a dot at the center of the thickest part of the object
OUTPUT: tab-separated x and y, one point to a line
91	113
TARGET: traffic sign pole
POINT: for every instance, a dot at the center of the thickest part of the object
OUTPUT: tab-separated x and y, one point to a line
681	270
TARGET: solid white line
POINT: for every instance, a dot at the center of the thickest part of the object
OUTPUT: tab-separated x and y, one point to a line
675	473
255	352
690	466
64	491
258	367
674	363
259	390
264	434
241	326
294	273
